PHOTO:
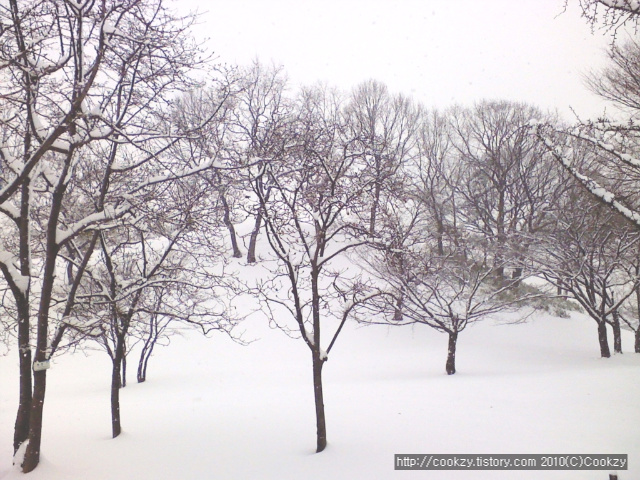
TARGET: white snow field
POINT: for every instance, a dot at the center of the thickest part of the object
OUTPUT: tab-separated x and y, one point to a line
213	409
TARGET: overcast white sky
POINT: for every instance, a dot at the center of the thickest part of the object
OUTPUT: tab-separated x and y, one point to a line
439	51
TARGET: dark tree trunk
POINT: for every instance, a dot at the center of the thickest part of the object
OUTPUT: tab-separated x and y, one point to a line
374	208
115	400
636	345
451	353
21	431
440	234
147	350
397	311
229	224
123	383
501	235
116	383
603	340
142	367
32	453
617	334
251	253
321	427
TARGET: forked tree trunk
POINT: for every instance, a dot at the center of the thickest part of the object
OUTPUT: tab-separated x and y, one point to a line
451	353
603	340
147	350
32	452
321	426
142	367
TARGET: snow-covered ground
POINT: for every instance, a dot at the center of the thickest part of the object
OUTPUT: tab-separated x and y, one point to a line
213	409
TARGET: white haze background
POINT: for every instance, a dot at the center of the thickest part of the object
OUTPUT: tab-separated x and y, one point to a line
439	51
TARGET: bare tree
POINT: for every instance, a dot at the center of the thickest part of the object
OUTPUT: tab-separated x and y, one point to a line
619	81
311	220
215	141
76	78
509	184
384	128
260	124
141	276
610	14
614	144
432	267
630	312
588	255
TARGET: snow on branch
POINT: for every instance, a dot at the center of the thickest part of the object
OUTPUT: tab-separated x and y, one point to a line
607	147
602	194
211	164
9	210
14	277
105	215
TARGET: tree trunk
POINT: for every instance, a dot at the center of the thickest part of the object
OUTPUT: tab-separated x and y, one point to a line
637	342
501	235
617	335
229	224
321	427
115	400
21	431
602	339
440	232
32	453
123	383
147	350
251	253
451	353
116	383
397	311
374	208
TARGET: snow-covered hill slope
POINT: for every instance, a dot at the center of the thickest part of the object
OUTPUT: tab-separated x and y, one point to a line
213	409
